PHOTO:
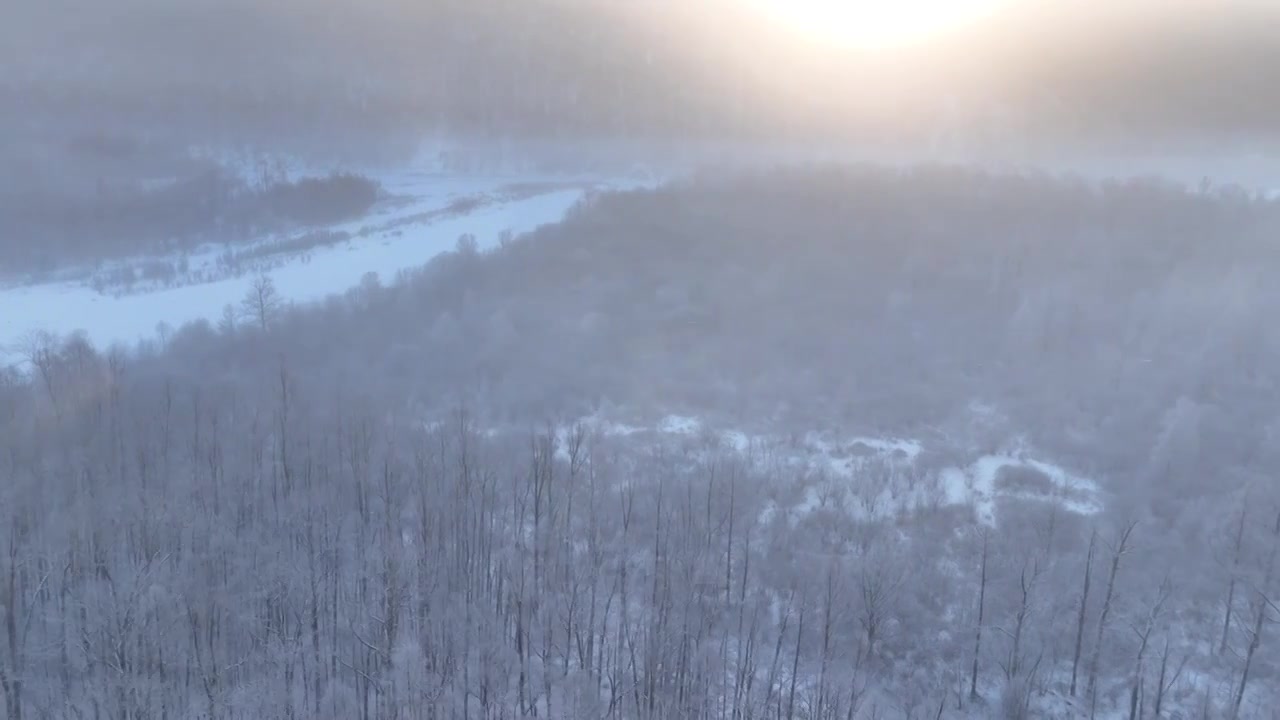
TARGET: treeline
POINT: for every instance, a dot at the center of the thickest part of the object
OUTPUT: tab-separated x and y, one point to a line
47	228
325	511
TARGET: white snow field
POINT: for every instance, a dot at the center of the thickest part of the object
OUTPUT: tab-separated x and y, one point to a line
429	215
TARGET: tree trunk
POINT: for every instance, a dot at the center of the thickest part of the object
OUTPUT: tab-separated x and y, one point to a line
1084	604
1231	584
1118	552
982	603
1262	610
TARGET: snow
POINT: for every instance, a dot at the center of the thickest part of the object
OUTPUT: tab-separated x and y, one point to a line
981	482
891	446
736	439
870	478
976	485
957	486
680	425
384	243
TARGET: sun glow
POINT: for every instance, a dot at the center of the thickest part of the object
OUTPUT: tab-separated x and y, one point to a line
875	24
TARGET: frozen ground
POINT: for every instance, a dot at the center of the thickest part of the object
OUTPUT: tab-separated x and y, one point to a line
867	477
425	219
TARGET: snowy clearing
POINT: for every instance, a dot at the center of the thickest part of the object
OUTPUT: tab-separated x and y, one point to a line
864	477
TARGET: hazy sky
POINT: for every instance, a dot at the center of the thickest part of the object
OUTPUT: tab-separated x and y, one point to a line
1136	67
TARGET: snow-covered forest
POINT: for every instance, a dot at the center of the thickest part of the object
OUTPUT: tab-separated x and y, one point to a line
639	360
804	444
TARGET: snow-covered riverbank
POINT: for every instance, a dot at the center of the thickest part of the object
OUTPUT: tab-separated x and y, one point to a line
430	214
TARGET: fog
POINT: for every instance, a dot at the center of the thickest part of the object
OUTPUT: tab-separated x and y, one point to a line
1138	71
575	360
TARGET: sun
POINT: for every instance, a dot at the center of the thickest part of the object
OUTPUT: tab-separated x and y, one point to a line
875	24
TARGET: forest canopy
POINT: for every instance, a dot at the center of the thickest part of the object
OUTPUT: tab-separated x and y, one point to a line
392	504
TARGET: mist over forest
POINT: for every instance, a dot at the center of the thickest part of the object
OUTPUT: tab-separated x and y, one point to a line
584	360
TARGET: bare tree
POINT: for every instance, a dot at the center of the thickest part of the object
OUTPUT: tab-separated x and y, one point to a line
1237	546
880	577
1262	606
982	602
1166	679
1143	629
1119	549
1084	605
1028	577
39	350
261	302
